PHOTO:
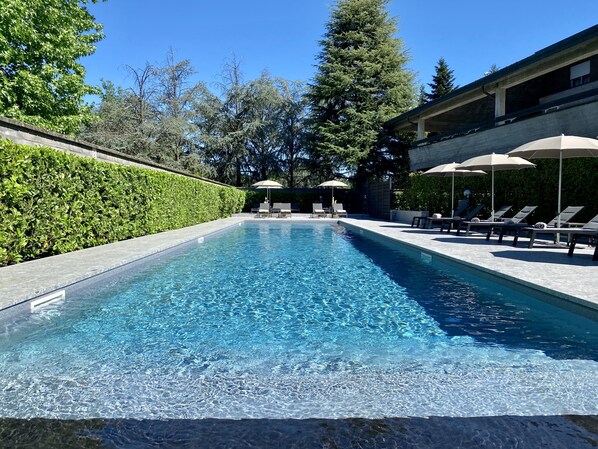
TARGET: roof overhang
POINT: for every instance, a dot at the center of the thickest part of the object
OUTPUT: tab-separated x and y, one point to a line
568	51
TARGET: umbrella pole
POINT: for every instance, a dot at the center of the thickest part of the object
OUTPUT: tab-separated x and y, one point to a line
492	215
558	217
453	197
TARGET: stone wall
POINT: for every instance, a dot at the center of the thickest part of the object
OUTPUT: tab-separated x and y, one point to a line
577	120
25	134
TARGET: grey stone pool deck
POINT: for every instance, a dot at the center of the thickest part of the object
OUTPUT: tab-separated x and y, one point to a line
544	269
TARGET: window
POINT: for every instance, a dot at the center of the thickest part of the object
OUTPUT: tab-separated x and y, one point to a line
579	74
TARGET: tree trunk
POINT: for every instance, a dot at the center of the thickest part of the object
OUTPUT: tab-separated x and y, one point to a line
238	168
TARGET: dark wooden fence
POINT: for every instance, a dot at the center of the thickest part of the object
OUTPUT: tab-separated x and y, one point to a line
379	199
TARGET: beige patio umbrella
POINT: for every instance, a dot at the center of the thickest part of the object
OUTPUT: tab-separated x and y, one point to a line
268	184
495	162
333	184
446	170
558	147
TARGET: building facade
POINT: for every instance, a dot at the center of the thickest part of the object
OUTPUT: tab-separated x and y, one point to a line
552	92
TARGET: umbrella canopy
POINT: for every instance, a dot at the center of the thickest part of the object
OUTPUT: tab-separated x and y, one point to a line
333	184
558	147
495	162
268	184
446	170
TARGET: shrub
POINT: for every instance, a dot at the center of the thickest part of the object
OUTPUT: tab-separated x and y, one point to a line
52	202
537	186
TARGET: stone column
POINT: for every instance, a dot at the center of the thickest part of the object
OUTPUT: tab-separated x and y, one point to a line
500	96
421	128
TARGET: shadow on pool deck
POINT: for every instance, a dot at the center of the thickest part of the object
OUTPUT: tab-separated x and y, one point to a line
523	253
520	252
539	256
528	432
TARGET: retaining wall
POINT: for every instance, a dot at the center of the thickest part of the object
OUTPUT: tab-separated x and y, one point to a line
25	134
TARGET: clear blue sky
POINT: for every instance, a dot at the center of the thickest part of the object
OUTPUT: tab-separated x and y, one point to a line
282	35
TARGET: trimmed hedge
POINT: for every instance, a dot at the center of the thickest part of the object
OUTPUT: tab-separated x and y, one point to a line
537	186
52	202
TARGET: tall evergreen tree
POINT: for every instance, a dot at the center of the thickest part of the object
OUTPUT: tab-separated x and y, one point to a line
443	81
493	68
421	96
362	81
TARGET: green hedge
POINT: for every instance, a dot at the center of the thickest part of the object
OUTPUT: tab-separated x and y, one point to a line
52	202
537	186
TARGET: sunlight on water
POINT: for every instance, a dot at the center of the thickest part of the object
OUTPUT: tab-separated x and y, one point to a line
295	321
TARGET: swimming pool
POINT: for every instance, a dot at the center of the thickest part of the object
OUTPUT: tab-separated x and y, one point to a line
280	320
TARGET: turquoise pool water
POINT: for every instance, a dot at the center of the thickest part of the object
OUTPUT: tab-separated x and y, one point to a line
280	320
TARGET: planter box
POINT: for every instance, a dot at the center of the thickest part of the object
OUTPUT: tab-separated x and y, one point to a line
405	216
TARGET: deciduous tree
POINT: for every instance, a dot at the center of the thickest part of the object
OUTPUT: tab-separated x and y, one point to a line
176	94
264	141
118	124
143	91
292	125
225	124
41	80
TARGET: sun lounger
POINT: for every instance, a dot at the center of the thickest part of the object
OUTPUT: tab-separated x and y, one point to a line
425	217
282	210
417	221
317	210
589	229
339	210
263	210
499	213
455	222
510	224
565	218
285	210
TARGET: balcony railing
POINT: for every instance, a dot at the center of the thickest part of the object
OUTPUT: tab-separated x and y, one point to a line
522	114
